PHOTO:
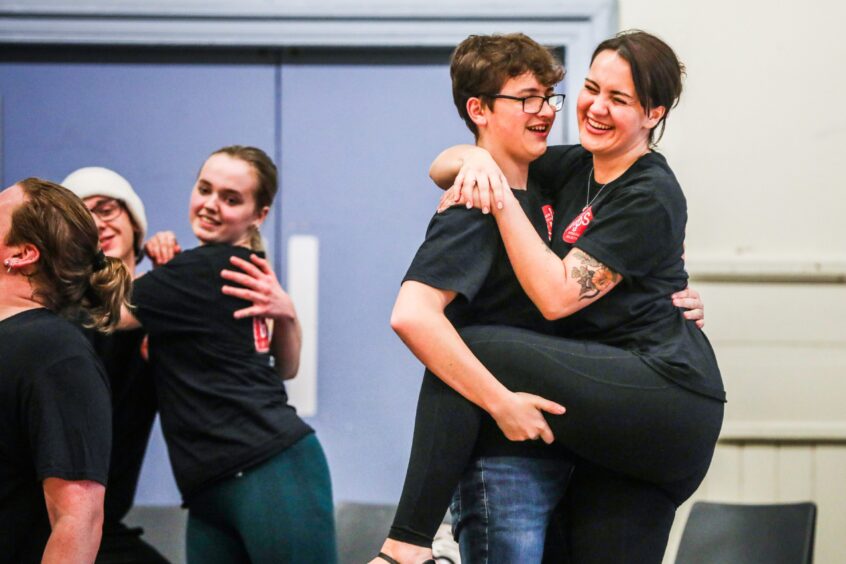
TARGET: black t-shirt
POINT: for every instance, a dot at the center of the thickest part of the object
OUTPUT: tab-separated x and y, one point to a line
463	252
223	406
55	422
133	412
635	227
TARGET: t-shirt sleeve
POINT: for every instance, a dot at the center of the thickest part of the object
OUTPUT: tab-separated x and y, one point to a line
551	170
460	248
632	233
173	298
69	421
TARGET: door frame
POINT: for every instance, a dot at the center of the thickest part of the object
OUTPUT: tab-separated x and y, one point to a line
576	26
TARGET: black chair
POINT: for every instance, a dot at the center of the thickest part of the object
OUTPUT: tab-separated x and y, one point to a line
723	533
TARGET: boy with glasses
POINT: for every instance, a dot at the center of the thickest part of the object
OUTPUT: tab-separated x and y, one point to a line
502	88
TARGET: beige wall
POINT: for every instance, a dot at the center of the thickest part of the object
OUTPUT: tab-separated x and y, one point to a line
758	144
759	138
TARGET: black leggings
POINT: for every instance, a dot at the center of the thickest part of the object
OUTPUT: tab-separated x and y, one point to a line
621	415
608	517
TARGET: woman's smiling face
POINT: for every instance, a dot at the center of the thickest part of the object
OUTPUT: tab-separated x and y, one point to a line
612	121
223	201
117	233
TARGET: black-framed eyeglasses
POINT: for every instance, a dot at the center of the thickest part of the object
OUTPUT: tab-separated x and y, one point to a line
534	104
107	209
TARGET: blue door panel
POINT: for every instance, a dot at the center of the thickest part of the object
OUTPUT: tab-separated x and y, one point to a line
357	140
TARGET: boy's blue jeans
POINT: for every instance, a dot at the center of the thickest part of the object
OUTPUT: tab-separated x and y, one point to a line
502	507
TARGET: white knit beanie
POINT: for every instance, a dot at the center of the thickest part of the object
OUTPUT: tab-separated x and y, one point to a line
99	181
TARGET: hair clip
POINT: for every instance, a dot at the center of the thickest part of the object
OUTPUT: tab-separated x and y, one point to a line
99	262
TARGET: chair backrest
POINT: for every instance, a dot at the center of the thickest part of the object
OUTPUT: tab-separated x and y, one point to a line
164	528
361	529
748	534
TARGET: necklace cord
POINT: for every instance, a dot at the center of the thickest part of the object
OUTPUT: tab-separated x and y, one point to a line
588	199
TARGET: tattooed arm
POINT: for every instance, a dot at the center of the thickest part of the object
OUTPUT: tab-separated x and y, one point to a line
593	276
557	287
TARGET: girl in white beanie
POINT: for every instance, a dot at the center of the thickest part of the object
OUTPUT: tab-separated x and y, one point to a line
121	226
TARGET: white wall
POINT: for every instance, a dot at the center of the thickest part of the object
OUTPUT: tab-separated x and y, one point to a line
758	137
757	144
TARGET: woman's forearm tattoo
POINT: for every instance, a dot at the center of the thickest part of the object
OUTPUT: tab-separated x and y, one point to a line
592	275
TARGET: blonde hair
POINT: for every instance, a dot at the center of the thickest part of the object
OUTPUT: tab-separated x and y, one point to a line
72	274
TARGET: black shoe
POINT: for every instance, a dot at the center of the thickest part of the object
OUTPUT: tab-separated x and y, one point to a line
390	560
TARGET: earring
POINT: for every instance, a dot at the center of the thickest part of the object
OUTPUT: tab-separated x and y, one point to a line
8	264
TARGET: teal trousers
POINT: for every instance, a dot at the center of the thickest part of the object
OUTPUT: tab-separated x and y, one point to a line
277	512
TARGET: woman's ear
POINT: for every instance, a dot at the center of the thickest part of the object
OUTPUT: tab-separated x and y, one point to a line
476	111
262	215
654	115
